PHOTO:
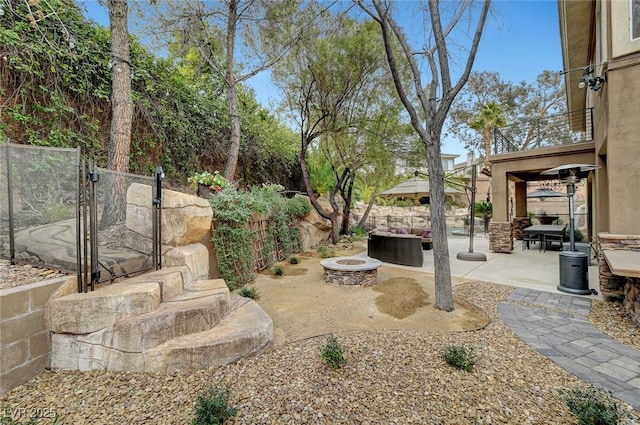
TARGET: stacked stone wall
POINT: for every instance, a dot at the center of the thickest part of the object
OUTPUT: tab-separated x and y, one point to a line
615	286
520	223
500	237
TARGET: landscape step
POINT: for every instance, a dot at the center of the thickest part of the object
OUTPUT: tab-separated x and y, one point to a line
172	319
245	331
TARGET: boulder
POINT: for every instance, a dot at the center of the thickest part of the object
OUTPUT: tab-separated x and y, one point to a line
186	219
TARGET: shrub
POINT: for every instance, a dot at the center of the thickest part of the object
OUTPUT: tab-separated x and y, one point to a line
212	407
326	251
294	260
278	270
249	293
593	406
298	206
333	353
460	357
359	231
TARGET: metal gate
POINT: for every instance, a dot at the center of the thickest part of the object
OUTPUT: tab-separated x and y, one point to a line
60	211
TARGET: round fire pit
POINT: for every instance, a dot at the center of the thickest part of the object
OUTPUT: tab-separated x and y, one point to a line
361	271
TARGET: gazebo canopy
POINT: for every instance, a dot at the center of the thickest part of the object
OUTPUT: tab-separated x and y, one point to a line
415	187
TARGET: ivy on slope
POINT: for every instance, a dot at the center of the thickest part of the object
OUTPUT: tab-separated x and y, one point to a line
55	89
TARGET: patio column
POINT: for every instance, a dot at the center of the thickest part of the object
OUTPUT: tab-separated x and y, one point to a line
521	199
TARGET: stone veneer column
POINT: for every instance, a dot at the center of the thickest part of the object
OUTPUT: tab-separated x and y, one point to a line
520	223
621	287
500	237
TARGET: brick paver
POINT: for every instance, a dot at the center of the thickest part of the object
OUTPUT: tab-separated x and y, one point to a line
557	326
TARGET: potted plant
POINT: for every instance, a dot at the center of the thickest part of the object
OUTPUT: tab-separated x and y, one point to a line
484	209
206	183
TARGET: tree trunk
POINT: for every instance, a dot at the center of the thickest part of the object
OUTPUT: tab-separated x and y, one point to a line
442	267
234	114
121	113
365	216
331	216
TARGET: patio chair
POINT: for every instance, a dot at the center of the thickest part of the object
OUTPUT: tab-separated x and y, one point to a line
549	240
527	239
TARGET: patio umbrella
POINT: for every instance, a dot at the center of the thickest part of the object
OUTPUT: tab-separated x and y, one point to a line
415	187
543	193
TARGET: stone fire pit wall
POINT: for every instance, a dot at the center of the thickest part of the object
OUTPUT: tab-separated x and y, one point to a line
351	270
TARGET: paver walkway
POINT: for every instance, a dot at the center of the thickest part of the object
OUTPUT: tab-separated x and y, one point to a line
558	326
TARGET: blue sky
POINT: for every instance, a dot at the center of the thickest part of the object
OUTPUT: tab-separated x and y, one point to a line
521	39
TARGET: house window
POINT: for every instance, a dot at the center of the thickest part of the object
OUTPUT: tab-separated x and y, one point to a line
635	19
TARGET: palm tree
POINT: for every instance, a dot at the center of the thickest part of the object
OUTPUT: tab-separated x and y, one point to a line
491	115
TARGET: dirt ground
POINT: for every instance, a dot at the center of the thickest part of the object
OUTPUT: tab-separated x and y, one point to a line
302	305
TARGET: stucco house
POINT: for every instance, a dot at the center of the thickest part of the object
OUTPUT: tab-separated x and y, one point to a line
601	57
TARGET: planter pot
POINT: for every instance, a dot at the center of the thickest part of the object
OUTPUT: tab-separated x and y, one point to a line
547	219
204	191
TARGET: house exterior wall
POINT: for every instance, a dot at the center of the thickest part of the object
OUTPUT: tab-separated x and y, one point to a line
597	33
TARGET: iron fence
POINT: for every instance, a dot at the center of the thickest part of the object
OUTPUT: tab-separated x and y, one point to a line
59	211
535	133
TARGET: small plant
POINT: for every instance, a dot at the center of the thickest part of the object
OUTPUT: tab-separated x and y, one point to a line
249	293
278	270
216	181
460	357
212	407
593	406
333	353
326	251
294	260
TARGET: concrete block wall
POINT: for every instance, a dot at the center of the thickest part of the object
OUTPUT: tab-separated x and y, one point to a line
24	338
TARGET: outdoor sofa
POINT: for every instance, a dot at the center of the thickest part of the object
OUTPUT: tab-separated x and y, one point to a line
394	248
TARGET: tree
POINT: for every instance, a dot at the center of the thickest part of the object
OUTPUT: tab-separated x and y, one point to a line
121	112
429	111
333	84
521	104
240	23
490	116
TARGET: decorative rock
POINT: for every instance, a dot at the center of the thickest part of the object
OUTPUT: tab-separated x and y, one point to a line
186	219
195	257
81	313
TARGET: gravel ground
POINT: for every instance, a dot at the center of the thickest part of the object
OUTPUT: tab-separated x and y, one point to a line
391	377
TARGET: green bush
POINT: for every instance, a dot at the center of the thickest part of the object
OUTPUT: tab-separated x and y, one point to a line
326	251
359	231
593	406
278	270
460	357
249	293
294	260
212	407
333	353
298	206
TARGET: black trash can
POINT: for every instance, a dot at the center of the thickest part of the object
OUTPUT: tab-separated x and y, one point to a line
574	273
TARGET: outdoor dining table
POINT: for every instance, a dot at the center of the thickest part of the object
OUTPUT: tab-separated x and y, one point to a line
545	229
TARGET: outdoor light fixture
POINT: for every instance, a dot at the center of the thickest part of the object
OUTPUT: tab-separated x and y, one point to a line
595	83
585	77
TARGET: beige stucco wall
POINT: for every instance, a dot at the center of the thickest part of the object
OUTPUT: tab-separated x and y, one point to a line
622	150
621	42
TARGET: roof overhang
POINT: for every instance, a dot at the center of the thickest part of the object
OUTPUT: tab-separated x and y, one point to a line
577	34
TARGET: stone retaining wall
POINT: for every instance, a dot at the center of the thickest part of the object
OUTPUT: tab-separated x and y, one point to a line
620	287
24	338
500	237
